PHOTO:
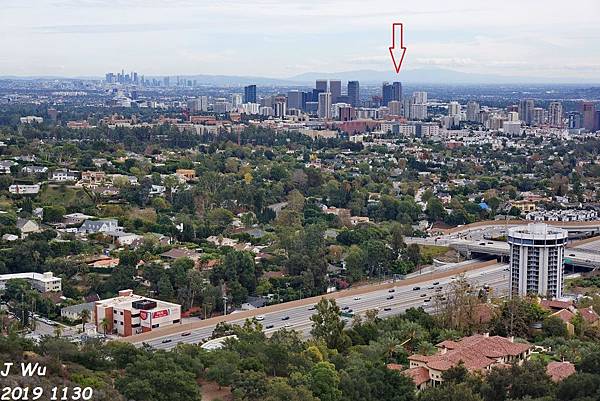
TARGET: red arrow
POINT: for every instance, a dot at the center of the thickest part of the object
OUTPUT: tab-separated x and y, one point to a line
397	53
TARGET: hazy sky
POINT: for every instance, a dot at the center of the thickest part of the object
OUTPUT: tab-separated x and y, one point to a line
547	38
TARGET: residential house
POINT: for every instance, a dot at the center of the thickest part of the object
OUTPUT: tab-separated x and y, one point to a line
476	353
97	226
177	253
559	371
5	166
27	227
186	174
21	189
93	178
64	175
34	170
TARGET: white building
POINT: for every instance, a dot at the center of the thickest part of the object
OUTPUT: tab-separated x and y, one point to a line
129	314
536	260
43	282
20	189
511	127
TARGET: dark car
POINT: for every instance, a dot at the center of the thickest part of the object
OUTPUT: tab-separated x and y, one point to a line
387	309
270	326
166	340
390	297
185	334
285	318
416	288
391	290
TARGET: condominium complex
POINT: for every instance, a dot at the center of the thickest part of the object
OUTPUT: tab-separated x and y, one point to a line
536	260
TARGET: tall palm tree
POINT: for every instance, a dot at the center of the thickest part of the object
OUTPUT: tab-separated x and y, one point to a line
104	324
84	315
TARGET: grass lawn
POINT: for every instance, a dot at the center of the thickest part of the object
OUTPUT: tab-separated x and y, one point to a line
433	250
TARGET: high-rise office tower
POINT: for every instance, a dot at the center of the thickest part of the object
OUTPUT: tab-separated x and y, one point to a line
335	87
536	260
555	114
575	120
453	109
406	106
526	111
387	93
588	110
321	85
295	100
538	116
473	111
397	90
324	110
354	93
166	81
250	94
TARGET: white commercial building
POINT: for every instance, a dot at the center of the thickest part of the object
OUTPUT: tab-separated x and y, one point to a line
536	260
129	314
43	282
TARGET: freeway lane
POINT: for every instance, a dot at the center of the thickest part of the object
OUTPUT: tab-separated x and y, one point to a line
298	317
360	290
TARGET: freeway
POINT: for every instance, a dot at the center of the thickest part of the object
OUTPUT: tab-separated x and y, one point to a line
390	299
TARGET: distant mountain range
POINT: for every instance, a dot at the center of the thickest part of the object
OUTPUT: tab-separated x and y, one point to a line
437	76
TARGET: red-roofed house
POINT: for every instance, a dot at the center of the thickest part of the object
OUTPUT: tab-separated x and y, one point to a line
476	353
560	370
567	317
590	316
555	305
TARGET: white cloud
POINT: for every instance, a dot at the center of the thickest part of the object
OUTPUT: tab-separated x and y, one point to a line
282	38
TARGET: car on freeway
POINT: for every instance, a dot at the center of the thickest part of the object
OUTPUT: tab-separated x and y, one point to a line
285	318
357	298
391	290
260	317
390	297
312	307
416	288
436	283
187	333
166	340
270	326
423	295
387	309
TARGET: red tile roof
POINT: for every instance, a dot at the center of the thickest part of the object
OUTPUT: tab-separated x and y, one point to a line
589	314
564	315
555	305
560	370
419	375
475	352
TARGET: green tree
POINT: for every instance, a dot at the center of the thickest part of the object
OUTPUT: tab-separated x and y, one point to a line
324	381
328	325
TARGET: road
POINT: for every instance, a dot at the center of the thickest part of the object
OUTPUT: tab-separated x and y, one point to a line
585	255
389	299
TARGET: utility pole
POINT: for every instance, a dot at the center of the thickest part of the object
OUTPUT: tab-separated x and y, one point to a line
224	305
